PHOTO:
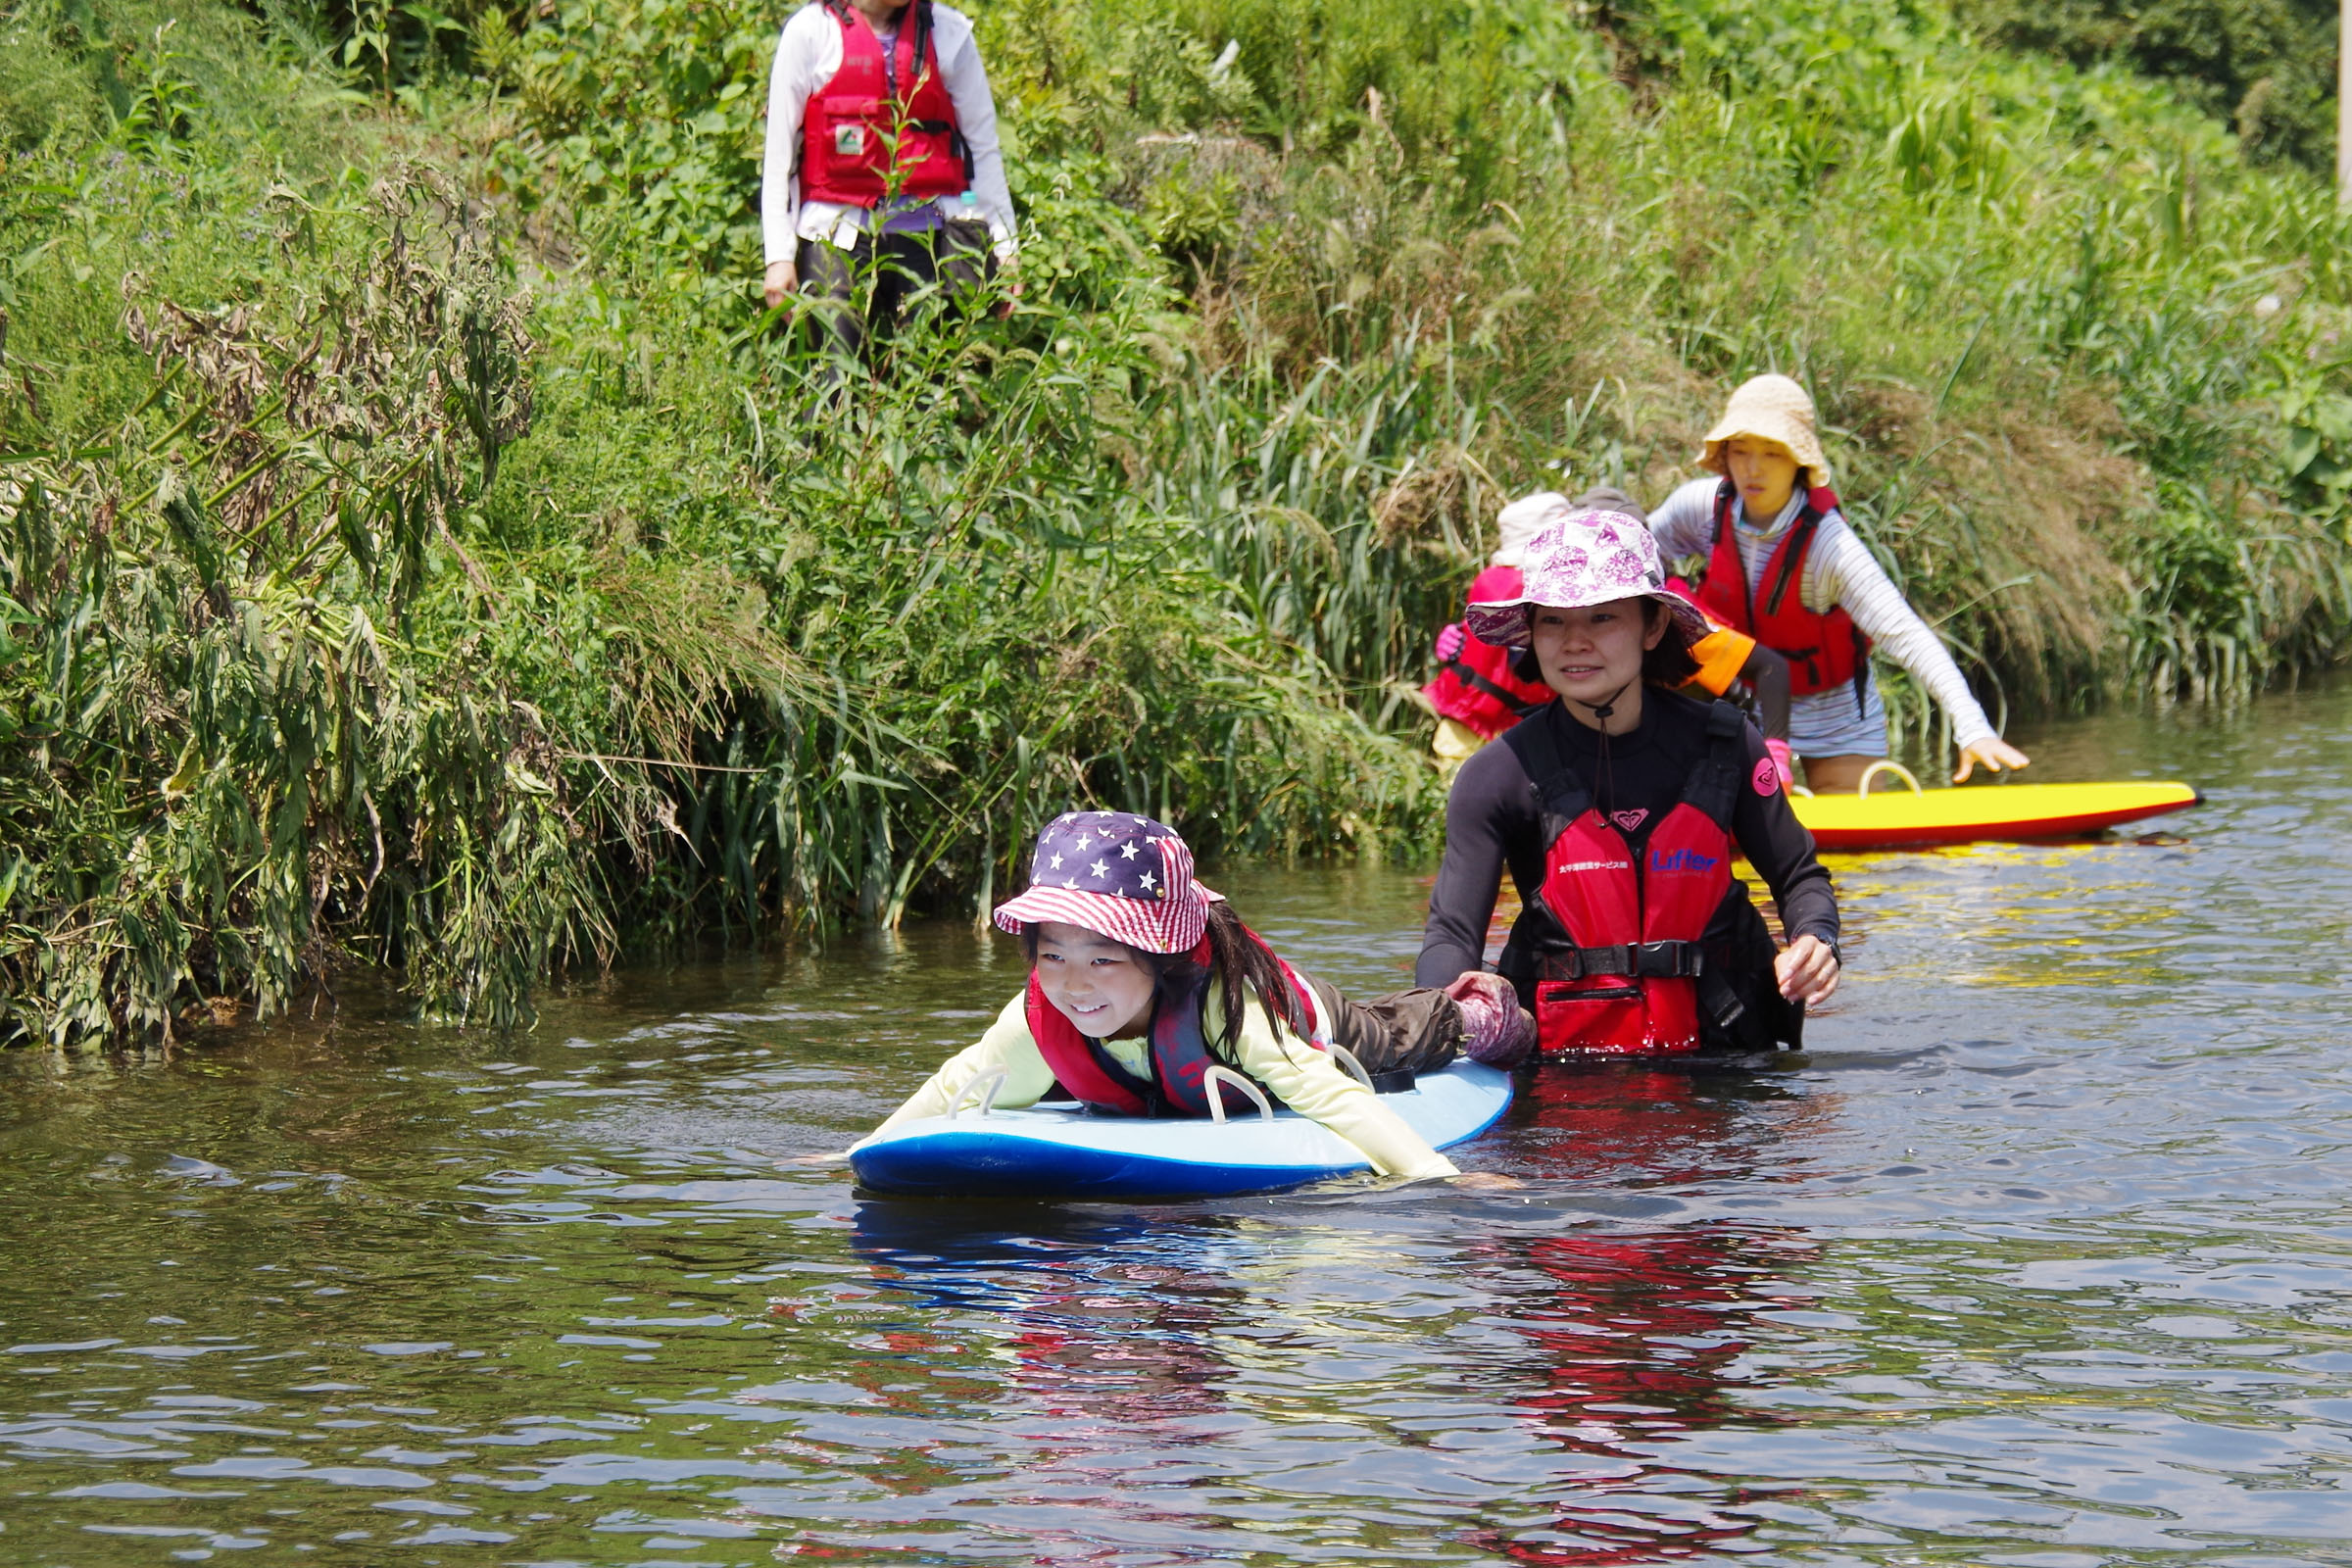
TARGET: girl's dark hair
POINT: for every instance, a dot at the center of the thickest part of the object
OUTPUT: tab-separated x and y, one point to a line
1239	966
1669	664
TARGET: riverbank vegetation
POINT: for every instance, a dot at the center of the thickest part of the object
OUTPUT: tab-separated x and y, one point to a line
417	550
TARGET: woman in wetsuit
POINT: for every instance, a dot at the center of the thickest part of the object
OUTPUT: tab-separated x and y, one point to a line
1617	808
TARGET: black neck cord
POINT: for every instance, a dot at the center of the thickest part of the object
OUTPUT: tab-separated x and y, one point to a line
1607	794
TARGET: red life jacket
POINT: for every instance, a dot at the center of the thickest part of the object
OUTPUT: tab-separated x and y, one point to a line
1824	651
1180	1054
1617	953
1477	687
884	125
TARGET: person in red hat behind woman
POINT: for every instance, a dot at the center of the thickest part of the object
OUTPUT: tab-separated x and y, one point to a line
1142	980
1617	808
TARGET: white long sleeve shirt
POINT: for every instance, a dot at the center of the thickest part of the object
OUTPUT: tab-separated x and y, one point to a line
807	54
1840	572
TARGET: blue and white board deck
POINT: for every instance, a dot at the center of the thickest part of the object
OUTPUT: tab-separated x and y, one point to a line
1045	1151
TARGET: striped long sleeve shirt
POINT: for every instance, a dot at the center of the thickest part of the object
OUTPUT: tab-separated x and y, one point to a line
1840	572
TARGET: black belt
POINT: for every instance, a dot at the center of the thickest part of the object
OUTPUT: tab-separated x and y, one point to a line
1644	961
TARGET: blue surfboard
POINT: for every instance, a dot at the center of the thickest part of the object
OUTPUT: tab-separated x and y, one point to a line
1048	1151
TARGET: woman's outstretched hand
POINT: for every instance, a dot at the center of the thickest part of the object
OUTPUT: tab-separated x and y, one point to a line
1807	970
1485	1180
1995	754
836	1157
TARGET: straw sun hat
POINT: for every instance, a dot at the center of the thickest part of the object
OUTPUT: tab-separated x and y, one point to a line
1774	409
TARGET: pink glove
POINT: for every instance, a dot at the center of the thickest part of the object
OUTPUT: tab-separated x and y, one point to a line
1782	759
1495	1029
1450	643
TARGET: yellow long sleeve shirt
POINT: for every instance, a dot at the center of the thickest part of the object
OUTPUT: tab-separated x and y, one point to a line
1302	1077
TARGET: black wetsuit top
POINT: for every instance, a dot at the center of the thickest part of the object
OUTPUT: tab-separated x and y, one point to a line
1493	820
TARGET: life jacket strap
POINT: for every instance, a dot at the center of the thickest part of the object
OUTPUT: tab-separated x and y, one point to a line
924	23
1520	706
1714	786
1638	961
1560	790
1143	1089
1793	553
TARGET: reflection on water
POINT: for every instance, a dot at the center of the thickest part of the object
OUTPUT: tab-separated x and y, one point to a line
2037	1257
1633	1338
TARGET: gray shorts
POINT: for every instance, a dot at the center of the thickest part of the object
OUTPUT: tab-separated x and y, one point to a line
1826	723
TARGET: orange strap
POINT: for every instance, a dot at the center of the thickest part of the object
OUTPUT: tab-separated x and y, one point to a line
1720	654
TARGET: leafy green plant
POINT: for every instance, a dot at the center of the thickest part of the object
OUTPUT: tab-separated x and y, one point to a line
2260	63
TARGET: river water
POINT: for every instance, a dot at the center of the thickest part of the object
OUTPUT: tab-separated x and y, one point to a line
2039	1256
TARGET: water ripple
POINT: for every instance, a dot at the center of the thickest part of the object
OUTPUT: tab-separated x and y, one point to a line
2039	1256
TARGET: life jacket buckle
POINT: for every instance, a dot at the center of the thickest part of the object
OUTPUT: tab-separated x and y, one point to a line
1668	960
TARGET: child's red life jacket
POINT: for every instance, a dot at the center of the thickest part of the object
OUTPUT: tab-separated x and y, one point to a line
884	125
1618	952
1823	650
1476	687
1180	1054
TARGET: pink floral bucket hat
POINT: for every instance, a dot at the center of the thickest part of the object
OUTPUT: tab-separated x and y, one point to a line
1578	558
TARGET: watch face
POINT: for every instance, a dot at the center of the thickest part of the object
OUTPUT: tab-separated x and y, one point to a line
849	140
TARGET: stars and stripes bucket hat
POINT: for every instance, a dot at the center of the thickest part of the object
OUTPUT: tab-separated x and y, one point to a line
1122	876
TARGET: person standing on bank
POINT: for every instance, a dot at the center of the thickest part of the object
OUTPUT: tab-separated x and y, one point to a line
881	147
1784	567
1616	807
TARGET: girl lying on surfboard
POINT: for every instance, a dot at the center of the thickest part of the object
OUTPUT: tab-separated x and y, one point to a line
1142	981
1617	807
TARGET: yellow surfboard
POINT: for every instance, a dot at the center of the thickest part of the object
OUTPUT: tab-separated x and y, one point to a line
1898	819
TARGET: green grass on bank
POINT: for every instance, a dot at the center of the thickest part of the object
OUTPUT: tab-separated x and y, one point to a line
415	551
